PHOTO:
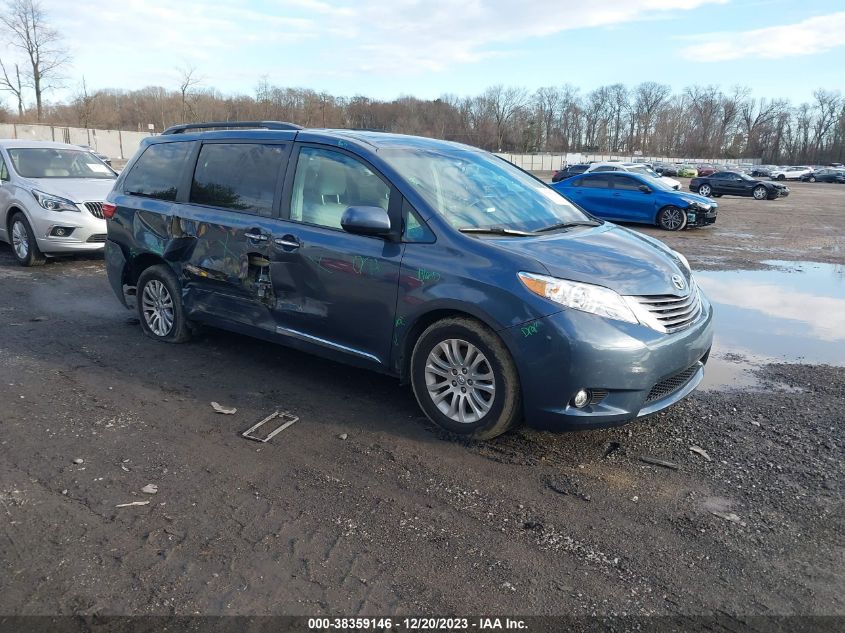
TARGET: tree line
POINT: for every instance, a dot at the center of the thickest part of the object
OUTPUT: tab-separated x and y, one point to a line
698	121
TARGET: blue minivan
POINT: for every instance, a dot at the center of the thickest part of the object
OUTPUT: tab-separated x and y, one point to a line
629	197
435	262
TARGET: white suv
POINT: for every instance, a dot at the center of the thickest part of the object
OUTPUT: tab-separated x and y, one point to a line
51	199
636	168
790	173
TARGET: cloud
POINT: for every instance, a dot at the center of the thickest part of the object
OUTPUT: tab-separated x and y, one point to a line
301	41
810	36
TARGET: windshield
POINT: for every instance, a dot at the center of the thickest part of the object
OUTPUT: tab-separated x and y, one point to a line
645	171
477	190
48	162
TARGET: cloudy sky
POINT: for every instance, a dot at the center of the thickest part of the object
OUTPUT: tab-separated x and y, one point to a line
385	48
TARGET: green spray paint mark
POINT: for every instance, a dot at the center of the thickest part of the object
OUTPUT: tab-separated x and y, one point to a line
365	265
530	329
400	321
424	275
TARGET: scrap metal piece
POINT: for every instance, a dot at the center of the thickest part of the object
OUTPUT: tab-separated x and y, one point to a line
286	420
658	462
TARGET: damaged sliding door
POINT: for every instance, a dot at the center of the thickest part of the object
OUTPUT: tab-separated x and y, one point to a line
228	219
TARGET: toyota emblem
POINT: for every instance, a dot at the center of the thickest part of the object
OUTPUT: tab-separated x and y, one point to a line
679	282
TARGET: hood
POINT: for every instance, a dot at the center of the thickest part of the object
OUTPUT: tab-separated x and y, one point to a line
625	261
74	189
698	198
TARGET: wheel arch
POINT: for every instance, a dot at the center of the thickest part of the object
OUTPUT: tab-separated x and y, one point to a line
422	322
139	264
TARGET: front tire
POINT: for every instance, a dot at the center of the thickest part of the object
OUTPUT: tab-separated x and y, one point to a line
22	239
812	179
781	177
159	299
760	192
672	219
465	380
705	190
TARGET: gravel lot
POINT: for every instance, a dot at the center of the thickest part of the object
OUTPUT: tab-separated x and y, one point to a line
363	508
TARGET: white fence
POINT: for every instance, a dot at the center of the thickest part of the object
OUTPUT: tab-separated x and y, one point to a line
552	162
116	144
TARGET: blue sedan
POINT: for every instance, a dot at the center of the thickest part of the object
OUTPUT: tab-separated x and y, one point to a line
628	197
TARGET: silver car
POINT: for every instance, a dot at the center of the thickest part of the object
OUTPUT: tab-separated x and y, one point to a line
51	199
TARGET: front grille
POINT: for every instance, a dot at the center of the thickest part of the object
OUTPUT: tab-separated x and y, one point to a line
597	395
669	313
97	238
95	208
672	384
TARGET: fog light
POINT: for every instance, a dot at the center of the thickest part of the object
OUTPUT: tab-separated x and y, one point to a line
61	231
581	398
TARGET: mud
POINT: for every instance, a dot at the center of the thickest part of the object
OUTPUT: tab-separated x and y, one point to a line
397	518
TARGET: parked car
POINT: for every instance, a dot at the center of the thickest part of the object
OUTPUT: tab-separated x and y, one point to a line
427	260
705	170
732	183
636	169
630	197
687	171
666	169
102	157
763	171
569	171
51	199
790	173
827	174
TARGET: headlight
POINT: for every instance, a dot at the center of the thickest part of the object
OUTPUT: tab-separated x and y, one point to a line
579	296
53	203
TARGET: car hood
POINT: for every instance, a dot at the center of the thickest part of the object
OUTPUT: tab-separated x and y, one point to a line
625	261
74	189
698	198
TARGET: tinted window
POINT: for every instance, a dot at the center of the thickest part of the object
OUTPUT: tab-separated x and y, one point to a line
328	182
626	183
4	171
238	176
156	173
596	182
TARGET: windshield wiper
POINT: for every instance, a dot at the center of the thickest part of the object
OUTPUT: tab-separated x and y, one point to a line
566	225
495	230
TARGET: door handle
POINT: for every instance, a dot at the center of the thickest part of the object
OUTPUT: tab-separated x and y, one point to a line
258	237
288	241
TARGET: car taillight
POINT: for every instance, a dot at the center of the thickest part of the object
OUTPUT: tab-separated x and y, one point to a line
108	210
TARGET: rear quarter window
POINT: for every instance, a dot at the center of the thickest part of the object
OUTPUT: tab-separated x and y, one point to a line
157	172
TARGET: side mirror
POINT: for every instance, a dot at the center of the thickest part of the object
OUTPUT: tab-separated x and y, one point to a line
366	221
644	188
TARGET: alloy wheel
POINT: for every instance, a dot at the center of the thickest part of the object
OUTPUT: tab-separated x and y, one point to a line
460	380
20	240
760	193
672	219
157	307
704	190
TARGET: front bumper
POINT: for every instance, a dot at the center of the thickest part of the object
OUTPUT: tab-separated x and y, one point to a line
700	217
87	232
631	370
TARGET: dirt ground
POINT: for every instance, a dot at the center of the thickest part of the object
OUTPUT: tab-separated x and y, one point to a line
363	508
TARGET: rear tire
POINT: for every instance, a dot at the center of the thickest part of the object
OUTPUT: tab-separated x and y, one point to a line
672	219
465	380
159	303
22	239
760	192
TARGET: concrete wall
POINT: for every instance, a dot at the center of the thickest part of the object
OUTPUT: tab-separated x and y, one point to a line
552	162
116	144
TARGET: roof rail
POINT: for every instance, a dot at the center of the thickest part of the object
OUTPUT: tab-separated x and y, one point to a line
261	125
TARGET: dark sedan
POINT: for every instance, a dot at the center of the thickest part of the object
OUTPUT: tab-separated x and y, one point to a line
568	172
665	169
731	183
825	175
763	171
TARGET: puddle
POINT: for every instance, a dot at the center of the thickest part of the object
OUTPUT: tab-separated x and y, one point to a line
792	313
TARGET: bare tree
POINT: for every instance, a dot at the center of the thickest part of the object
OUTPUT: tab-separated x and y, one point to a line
26	24
83	103
187	80
13	84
